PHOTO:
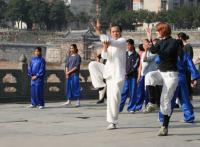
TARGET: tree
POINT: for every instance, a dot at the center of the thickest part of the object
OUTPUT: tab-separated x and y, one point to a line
108	8
126	19
57	15
196	16
18	11
38	12
3	9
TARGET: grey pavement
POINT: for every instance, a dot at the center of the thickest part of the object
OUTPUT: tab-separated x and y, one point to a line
58	126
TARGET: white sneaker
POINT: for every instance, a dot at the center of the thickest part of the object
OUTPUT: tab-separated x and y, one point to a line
78	103
31	106
111	127
131	111
163	131
150	108
67	104
41	107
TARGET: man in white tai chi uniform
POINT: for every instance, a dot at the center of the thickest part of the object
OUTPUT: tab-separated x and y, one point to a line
114	50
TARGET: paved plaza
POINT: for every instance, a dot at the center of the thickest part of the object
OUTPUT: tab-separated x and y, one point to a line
58	126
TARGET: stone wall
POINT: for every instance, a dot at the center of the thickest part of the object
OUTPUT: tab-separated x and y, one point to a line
15	85
12	52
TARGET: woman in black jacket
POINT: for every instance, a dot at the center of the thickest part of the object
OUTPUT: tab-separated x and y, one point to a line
168	49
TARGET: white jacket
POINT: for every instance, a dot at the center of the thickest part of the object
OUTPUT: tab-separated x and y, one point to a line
115	66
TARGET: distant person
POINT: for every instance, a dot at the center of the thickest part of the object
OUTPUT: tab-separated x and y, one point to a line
141	50
185	63
154	102
187	46
36	71
72	71
130	84
147	65
189	50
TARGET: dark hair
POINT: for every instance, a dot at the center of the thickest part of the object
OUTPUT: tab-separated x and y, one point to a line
141	47
180	42
130	41
116	25
164	29
147	40
99	56
39	49
183	36
75	47
180	50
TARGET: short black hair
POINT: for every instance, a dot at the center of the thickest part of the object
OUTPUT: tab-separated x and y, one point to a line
39	49
130	41
147	40
116	25
180	42
141	47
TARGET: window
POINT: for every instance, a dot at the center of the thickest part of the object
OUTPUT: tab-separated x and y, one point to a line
137	5
163	5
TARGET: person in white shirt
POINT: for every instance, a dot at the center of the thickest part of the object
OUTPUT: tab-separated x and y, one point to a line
147	64
114	50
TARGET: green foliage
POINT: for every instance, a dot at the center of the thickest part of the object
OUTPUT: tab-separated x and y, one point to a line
115	11
38	12
18	10
110	8
3	9
50	16
55	15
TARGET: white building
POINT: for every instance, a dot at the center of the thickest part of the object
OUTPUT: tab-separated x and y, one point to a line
162	5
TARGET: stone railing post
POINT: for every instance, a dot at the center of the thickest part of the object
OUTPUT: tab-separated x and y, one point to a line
25	82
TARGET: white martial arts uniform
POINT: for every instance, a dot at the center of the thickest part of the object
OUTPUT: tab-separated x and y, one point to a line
114	73
169	80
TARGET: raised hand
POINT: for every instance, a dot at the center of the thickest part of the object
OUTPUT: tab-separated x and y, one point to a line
148	31
33	78
194	83
67	76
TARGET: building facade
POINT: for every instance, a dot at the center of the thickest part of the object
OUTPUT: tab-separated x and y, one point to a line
162	5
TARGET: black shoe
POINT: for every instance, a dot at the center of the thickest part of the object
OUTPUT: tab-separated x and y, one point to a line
177	106
100	101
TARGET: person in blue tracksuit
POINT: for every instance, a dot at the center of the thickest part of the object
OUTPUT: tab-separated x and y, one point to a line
182	91
72	76
130	83
36	71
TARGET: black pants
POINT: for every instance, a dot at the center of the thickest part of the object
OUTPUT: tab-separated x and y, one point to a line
188	79
154	94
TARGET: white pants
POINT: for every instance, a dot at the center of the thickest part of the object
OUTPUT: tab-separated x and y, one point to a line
96	74
169	80
113	100
113	90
